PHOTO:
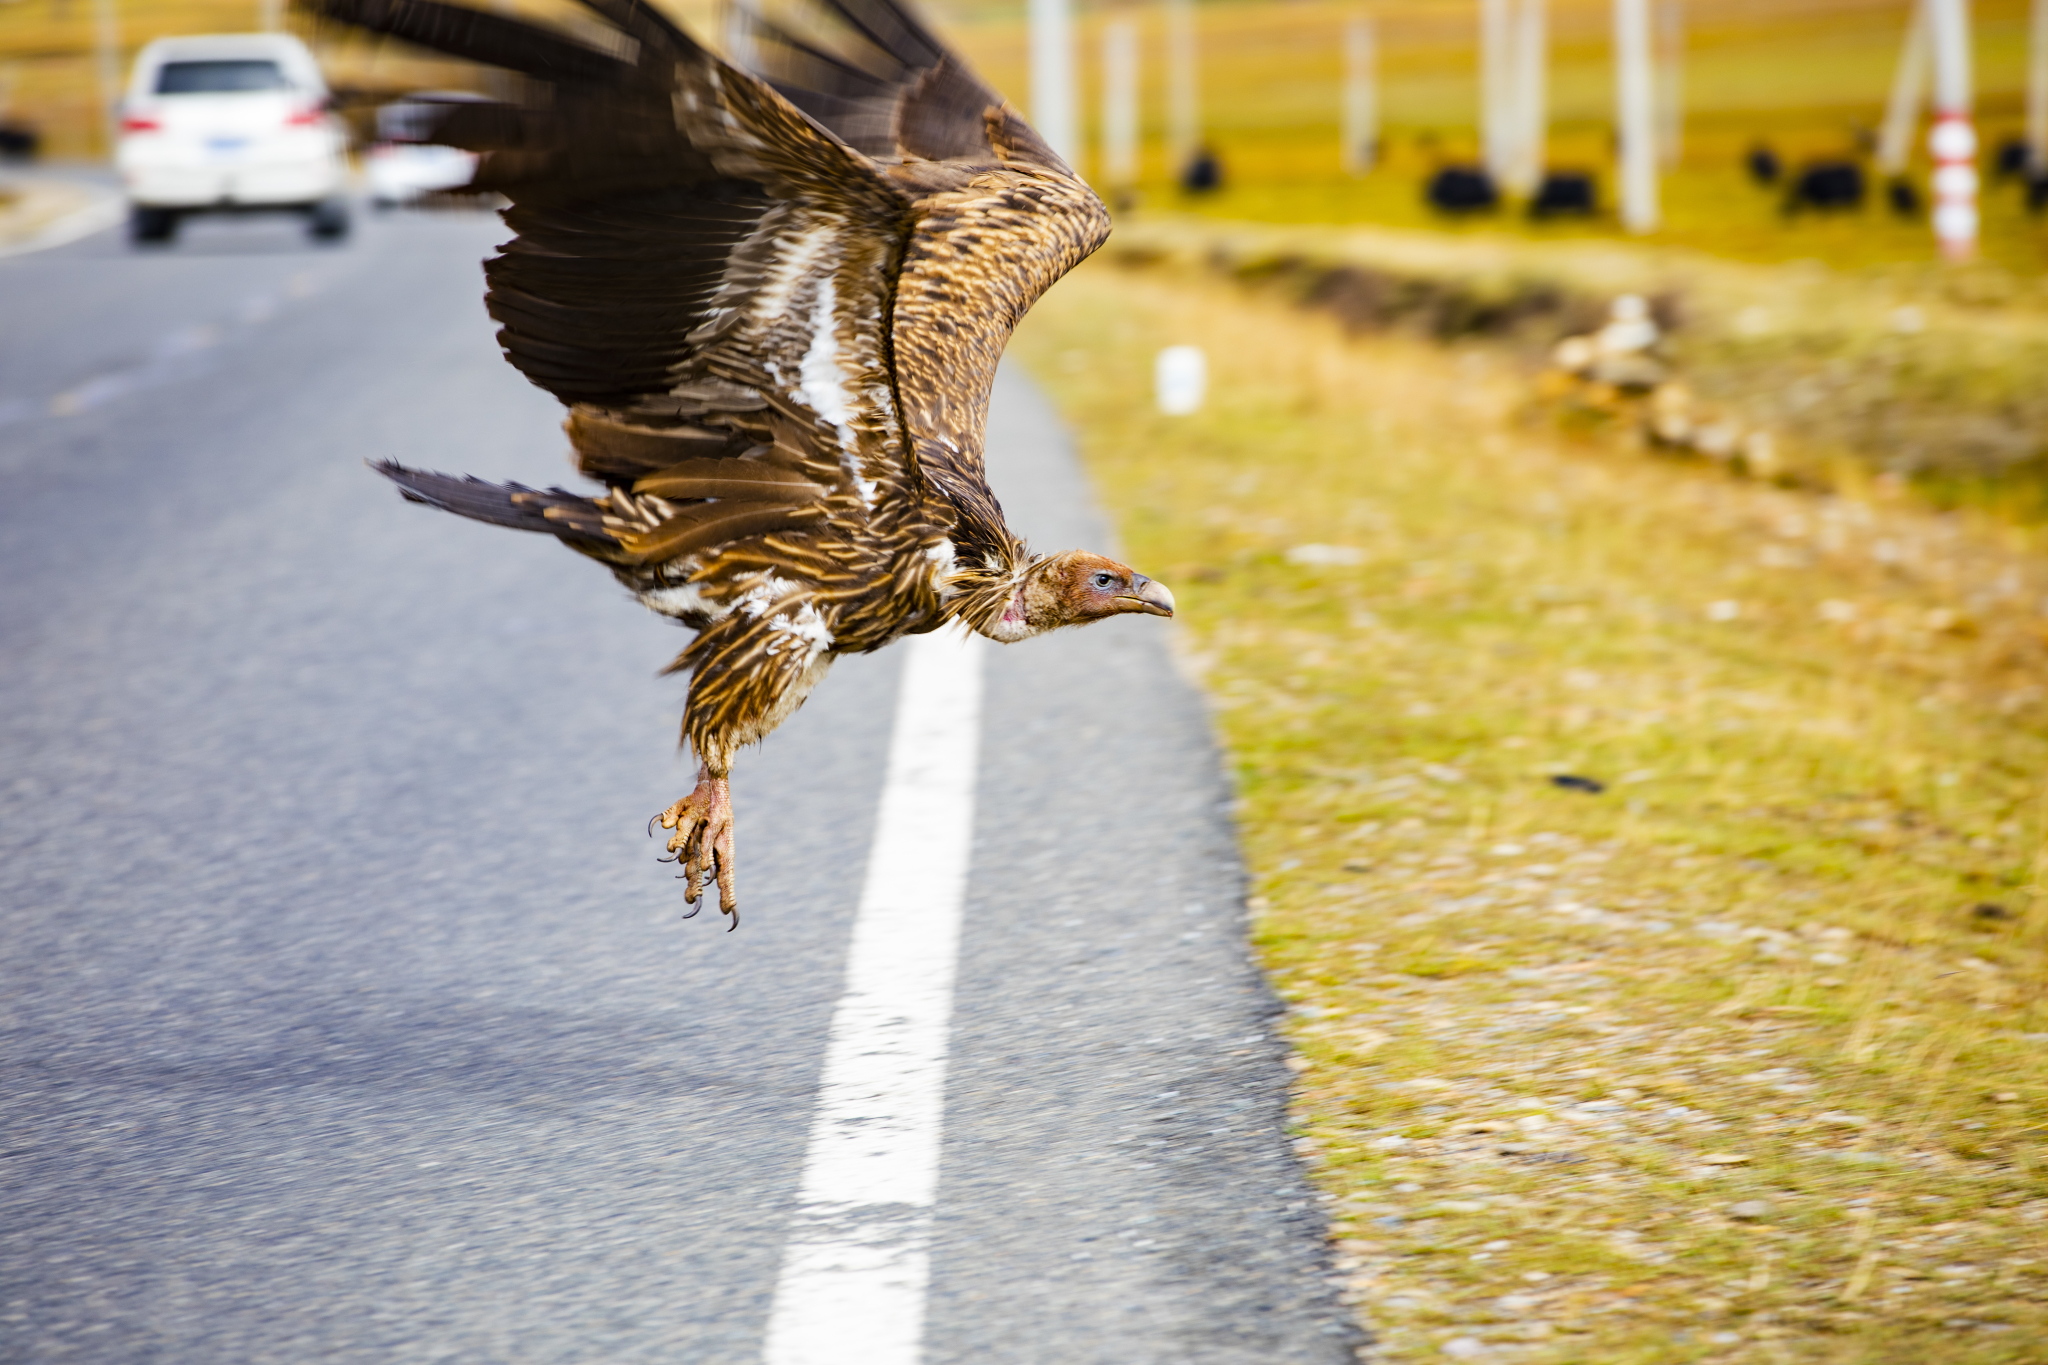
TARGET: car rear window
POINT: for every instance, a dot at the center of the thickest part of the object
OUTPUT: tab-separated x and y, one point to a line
220	78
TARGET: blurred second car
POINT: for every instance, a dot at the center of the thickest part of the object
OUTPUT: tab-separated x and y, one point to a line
402	165
230	123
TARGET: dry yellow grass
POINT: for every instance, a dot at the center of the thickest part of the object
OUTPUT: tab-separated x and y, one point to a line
1927	371
1745	1056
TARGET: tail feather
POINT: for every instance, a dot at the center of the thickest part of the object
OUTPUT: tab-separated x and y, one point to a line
569	516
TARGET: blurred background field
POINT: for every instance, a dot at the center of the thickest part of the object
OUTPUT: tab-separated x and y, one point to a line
1808	76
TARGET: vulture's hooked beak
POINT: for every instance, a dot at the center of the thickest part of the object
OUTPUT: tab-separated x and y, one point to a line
1151	598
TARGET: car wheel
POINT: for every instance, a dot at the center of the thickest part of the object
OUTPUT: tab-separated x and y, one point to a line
152	227
328	222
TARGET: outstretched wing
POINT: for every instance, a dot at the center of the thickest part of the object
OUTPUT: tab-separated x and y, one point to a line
700	271
999	217
817	269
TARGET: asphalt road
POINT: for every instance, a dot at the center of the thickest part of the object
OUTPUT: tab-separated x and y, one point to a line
347	1014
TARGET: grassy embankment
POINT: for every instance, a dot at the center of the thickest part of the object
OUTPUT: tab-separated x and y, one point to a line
1745	1056
1927	372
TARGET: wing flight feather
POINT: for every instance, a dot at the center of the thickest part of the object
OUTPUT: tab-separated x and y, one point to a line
817	265
688	246
999	217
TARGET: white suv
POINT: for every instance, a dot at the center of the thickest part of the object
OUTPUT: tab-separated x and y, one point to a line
228	124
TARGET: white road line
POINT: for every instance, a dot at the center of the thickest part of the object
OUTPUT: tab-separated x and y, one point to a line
853	1278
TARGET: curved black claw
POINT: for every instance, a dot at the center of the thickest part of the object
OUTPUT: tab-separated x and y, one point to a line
734	911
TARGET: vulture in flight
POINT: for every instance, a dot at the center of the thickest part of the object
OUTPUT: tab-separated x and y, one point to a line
772	302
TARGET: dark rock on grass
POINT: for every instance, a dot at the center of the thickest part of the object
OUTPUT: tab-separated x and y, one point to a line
1462	189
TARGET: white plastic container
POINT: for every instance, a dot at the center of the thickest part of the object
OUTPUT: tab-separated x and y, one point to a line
1180	380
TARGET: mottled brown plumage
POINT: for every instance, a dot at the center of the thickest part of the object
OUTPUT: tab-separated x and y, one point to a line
774	304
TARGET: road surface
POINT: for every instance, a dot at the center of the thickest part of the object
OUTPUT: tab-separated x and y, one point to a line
347	1013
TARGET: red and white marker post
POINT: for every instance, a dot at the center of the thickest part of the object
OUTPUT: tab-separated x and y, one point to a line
1953	140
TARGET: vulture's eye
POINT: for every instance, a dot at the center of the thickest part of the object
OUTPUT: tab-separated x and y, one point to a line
1105	580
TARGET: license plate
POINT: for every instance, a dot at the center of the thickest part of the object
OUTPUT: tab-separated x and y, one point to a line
226	146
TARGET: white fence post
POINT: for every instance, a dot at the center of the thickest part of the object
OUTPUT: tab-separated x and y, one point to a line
2037	90
1671	83
1183	91
1954	139
1636	115
1052	76
1362	96
1119	104
1902	107
1496	86
1529	116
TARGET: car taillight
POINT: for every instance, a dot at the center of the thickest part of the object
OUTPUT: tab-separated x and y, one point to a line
306	118
134	123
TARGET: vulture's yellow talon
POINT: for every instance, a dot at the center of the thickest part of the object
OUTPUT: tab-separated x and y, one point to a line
702	841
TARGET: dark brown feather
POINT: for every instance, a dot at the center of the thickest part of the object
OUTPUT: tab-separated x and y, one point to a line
709	524
509	504
754	479
617	451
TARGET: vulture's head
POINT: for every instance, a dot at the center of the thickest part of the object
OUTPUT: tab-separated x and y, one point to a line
1074	588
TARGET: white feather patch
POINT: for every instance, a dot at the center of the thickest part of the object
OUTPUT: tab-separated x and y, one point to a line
789	268
942	556
803	627
760	598
824	385
806	626
688	599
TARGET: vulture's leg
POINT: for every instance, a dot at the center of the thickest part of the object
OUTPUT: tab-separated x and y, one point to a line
702	841
744	682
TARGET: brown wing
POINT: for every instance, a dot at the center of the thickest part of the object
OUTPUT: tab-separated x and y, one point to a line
747	297
871	72
700	271
1000	217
